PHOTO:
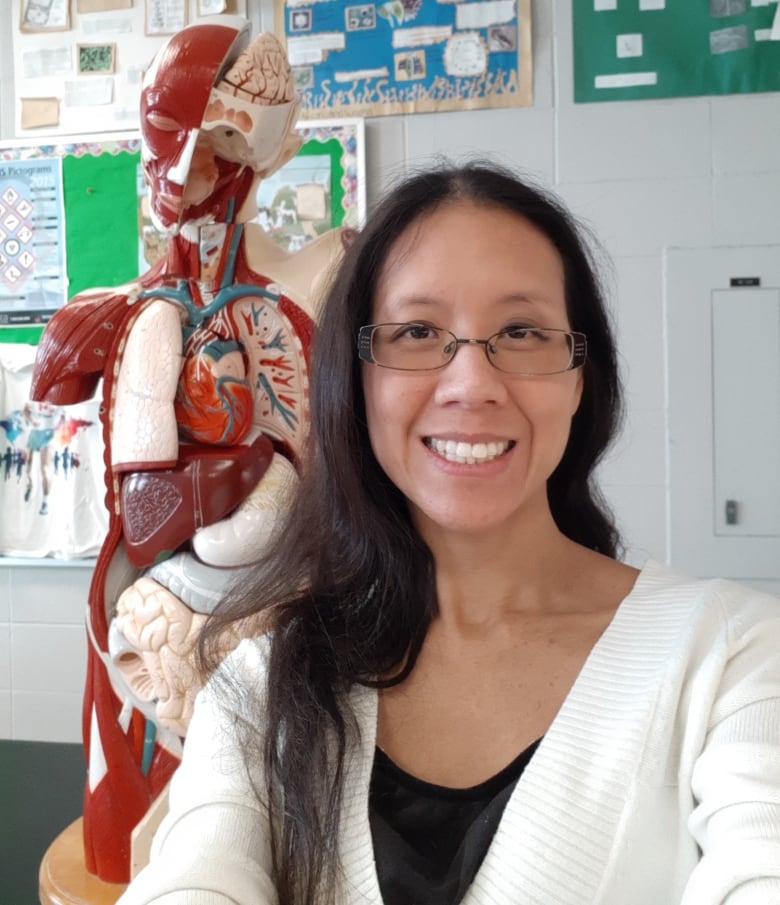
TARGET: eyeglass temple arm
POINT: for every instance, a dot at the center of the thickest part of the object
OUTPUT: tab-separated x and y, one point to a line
579	349
364	344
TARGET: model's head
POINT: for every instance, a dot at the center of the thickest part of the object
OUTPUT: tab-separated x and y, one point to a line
390	251
216	111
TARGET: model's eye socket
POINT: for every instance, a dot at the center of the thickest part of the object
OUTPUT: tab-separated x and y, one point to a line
163	121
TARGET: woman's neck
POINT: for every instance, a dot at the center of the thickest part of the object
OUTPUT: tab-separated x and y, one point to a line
482	575
524	567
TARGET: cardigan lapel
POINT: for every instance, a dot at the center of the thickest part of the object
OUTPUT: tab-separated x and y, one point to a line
553	843
360	881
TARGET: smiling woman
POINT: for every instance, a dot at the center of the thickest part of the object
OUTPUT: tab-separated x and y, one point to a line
461	695
507	278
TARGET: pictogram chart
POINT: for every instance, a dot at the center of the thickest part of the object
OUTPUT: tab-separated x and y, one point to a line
32	267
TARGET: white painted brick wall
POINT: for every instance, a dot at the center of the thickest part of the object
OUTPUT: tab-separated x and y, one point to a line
42	650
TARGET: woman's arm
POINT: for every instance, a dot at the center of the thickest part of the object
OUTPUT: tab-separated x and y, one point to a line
212	847
736	781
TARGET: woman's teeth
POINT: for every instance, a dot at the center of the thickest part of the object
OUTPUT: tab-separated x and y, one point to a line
467	453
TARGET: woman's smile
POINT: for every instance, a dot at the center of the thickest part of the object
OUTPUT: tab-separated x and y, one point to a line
467	453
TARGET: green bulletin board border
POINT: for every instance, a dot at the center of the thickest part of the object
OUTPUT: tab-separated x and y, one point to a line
332	148
31	335
677	42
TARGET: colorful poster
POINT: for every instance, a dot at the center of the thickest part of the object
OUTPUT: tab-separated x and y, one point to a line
32	246
96	182
657	48
51	468
407	56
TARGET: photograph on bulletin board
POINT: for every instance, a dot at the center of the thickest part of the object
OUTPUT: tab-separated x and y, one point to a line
656	48
44	15
407	56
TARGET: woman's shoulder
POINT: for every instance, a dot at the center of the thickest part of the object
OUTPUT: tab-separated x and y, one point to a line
727	600
241	674
249	658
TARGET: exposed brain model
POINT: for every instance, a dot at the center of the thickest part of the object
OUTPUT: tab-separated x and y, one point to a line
204	369
261	74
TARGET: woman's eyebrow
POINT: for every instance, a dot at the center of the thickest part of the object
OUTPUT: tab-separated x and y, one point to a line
401	304
528	298
413	301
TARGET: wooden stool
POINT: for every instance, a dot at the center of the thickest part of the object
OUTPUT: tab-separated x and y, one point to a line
64	880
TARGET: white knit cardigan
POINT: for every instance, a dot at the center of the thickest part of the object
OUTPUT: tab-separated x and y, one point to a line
658	782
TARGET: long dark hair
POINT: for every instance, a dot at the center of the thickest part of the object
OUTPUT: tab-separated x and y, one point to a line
347	589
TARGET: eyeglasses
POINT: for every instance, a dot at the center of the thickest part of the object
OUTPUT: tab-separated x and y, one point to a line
521	350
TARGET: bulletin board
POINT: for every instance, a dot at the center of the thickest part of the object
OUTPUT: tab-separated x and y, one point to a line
78	64
103	225
660	48
407	56
97	242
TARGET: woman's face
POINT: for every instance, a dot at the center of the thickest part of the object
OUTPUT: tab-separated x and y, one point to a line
473	270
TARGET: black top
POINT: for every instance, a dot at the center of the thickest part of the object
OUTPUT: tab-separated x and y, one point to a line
429	840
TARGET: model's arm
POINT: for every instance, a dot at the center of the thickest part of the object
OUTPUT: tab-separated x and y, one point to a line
212	847
736	780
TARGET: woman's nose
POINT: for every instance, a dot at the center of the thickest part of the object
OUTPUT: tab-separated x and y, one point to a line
470	378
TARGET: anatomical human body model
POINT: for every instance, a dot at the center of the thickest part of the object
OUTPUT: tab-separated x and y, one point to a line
204	367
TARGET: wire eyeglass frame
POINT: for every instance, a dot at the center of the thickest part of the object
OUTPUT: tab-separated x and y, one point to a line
578	348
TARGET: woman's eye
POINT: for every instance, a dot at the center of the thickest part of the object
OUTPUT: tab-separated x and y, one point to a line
416	331
517	331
